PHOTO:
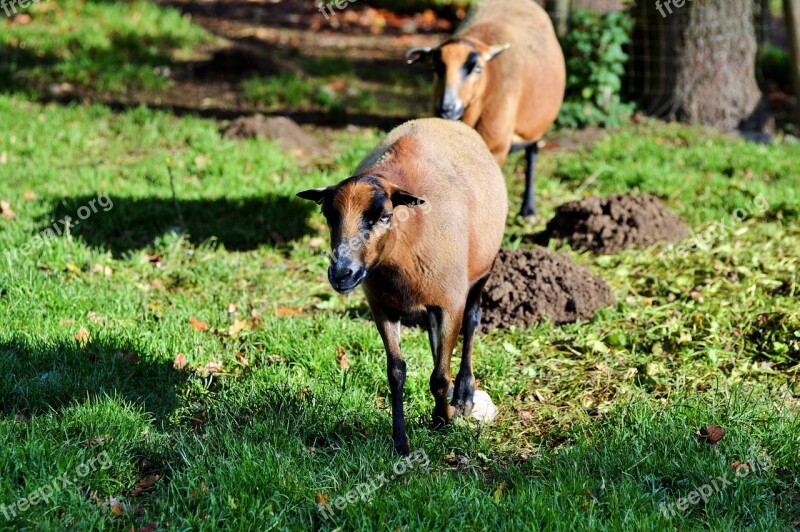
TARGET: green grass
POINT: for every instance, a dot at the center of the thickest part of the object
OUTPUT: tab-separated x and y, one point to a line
597	419
111	47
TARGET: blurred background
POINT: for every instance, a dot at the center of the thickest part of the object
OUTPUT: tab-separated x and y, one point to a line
718	63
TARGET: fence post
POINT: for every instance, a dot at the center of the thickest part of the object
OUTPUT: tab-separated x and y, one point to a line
791	10
559	12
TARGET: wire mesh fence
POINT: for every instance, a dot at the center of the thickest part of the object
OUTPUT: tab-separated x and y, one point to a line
653	63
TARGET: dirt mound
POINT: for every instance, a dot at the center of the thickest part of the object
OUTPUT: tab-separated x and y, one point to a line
278	128
613	223
531	285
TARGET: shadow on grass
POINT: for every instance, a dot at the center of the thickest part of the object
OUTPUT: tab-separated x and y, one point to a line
238	224
38	378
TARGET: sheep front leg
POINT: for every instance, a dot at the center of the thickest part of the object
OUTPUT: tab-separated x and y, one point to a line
443	330
389	330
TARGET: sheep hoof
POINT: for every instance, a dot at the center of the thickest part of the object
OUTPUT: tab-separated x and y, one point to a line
463	409
401	447
484	409
529	217
439	420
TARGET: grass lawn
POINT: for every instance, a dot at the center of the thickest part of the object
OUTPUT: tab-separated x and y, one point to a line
265	421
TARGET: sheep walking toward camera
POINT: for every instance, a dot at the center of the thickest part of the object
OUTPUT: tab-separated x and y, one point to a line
420	225
502	73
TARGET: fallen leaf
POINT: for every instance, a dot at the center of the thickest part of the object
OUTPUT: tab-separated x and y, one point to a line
342	359
242	359
103	269
237	327
144	484
83	337
499	492
3	157
525	415
72	267
322	499
179	362
198	325
116	506
737	464
198	421
214	367
711	434
94	441
129	356
288	312
5	209
23	19
29	196
231	308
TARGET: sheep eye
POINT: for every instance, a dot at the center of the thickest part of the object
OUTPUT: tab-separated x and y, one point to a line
477	70
385	218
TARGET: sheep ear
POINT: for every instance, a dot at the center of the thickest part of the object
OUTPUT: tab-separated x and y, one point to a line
418	54
401	197
316	195
495	50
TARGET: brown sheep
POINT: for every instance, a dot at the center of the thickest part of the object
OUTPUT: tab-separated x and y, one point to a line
420	224
502	73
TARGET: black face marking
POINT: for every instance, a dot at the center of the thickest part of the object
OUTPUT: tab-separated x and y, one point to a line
333	216
470	65
437	64
376	210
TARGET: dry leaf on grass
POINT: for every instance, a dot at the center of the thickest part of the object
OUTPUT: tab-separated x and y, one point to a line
129	356
179	362
242	359
5	209
288	312
342	359
237	327
198	325
83	337
29	196
94	441
711	434
144	484
214	367
322	499
499	492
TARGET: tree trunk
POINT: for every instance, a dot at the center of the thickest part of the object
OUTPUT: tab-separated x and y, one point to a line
697	62
791	9
559	12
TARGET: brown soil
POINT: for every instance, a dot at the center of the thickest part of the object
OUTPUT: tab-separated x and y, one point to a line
278	128
613	223
532	285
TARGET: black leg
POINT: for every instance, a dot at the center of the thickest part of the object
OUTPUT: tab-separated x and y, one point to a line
443	330
389	329
528	199
465	380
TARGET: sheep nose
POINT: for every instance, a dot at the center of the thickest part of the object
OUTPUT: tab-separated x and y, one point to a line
341	273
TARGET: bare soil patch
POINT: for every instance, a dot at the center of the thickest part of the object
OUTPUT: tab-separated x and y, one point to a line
531	285
613	223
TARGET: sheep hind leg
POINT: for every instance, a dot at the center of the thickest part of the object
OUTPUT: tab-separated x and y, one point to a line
465	380
528	210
